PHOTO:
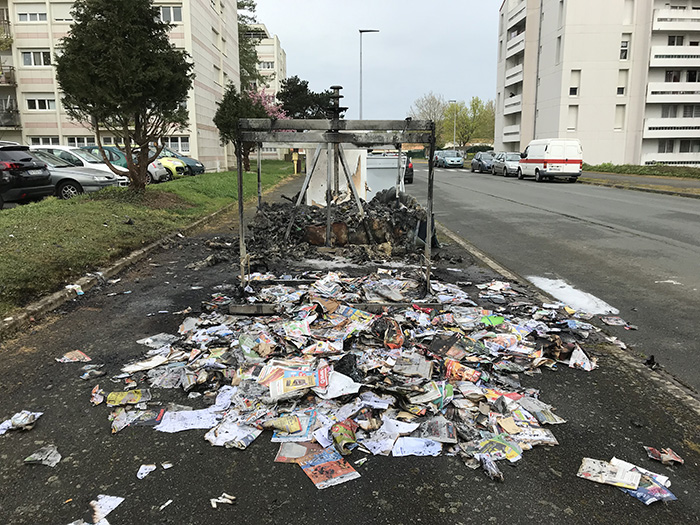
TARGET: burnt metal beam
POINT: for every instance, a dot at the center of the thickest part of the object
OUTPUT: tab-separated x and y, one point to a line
369	140
266	124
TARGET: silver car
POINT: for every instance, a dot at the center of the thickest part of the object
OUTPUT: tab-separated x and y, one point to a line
506	164
69	180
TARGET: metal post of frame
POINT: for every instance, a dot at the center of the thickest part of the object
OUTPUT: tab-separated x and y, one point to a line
429	222
259	175
329	190
243	257
304	187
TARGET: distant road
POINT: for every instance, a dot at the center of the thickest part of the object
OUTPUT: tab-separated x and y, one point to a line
639	252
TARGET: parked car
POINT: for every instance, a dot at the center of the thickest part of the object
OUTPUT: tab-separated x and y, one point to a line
23	176
80	158
506	163
451	159
174	165
548	159
156	170
482	162
194	167
438	156
69	180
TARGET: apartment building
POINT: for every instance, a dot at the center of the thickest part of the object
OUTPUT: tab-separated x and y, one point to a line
623	76
272	65
30	101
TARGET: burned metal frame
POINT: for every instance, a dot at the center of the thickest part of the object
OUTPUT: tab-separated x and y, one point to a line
334	133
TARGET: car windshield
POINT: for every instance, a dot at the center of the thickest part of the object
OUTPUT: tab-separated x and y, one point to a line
85	155
453	154
487	156
169	152
52	160
20	154
513	156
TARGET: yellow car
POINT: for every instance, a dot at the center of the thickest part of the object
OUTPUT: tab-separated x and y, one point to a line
175	167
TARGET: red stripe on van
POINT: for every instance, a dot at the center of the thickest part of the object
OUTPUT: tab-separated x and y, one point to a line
550	161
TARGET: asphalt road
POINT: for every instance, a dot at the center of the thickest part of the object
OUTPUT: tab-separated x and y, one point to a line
611	411
637	251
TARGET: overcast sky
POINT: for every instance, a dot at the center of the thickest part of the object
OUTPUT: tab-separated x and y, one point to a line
444	46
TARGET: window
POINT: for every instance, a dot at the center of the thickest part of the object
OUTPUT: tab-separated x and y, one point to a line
77	142
669	110
181	144
673	75
558	56
690	146
666	145
692	75
674	40
41	104
690	111
575	82
678	7
694	43
267	65
45	141
561	13
622	76
61	11
628	13
619	117
171	13
625	46
107	141
36	58
572	122
31	12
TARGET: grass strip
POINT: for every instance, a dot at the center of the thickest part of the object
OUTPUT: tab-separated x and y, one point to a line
655	170
48	244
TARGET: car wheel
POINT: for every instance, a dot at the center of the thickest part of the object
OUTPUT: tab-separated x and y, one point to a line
149	178
472	168
2	202
68	189
538	176
505	172
171	175
520	174
572	179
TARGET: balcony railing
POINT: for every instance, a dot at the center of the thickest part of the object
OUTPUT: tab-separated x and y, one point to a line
512	104
511	133
9	118
676	20
673	159
7	76
514	75
673	92
5	28
675	56
671	128
517	14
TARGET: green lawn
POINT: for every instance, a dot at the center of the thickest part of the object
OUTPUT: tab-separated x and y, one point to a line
657	170
48	244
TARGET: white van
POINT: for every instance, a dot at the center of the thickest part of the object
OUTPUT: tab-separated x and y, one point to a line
547	159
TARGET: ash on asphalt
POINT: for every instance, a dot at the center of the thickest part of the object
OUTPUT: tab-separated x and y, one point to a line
611	411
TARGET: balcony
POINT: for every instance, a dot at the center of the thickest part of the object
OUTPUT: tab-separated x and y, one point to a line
515	45
516	15
512	104
675	56
511	133
676	20
7	76
671	128
5	31
514	75
673	92
673	159
9	118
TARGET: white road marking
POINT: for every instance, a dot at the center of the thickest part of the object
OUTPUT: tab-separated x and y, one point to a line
572	297
669	281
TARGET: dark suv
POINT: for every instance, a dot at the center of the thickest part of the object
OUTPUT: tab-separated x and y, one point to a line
22	176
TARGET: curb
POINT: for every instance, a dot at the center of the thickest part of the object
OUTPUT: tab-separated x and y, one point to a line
661	378
638	188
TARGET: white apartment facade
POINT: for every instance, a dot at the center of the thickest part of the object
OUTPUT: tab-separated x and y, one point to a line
272	65
623	76
30	101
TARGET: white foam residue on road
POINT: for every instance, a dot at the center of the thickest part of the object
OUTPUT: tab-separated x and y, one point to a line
572	297
669	281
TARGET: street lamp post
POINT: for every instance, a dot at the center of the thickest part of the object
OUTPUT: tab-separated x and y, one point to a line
361	32
454	126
